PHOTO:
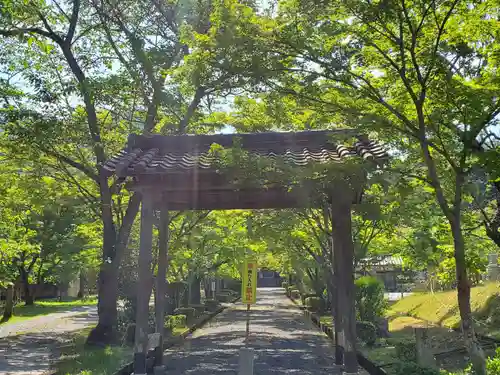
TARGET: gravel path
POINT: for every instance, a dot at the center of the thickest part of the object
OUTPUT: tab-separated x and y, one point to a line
284	342
66	321
28	347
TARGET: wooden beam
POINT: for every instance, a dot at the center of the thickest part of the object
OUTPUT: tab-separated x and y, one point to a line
160	282
344	259
144	285
272	198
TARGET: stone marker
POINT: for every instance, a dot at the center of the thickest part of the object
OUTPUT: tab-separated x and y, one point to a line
425	357
246	361
493	269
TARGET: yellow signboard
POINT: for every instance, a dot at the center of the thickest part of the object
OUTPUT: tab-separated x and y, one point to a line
249	282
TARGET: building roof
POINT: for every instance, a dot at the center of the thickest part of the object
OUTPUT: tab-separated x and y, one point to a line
183	170
164	154
382	261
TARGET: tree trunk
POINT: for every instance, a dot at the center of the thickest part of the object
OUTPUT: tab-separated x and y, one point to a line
81	287
463	294
185	295
9	303
493	227
104	333
195	291
113	248
206	287
29	300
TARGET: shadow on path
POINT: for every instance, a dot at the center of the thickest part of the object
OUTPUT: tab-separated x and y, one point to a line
283	342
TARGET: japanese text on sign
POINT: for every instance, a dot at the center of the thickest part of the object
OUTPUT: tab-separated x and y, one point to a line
249	282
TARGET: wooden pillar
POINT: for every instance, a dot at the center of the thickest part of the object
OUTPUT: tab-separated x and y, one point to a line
144	285
161	284
343	248
338	333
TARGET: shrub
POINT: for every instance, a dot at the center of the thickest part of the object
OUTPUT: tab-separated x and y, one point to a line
173	321
295	294
370	302
284	285
406	350
314	304
412	368
493	364
366	332
189	312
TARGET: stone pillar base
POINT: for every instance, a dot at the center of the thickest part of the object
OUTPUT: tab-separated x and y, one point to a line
246	361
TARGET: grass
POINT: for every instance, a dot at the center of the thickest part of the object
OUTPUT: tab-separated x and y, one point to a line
76	359
45	307
441	308
439	313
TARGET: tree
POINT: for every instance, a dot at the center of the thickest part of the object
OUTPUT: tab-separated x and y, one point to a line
80	57
411	72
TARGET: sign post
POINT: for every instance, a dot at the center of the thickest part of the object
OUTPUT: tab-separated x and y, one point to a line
248	297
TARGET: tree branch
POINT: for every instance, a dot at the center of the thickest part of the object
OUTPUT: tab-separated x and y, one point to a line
438	39
73	21
65	159
200	92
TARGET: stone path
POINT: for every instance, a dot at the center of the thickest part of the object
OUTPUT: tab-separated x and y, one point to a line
284	342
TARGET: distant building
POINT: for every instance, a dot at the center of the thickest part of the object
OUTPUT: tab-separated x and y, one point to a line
268	278
387	268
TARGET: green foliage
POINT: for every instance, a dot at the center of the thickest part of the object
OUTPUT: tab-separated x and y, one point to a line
188	312
406	350
370	302
175	321
412	368
493	364
366	332
284	285
77	358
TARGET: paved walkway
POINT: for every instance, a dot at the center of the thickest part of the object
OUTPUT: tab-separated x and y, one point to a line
284	342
